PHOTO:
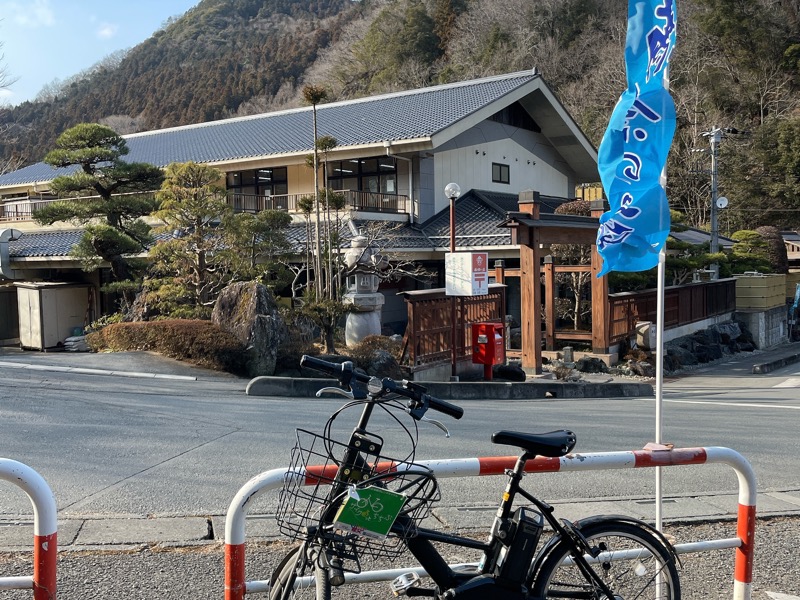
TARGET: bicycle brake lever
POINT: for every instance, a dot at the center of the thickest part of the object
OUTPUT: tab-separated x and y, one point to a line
335	390
438	424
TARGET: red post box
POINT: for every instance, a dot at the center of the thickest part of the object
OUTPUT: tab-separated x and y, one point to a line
488	346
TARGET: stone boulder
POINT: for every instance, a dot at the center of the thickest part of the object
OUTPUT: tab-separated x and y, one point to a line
589	364
249	311
508	372
642	368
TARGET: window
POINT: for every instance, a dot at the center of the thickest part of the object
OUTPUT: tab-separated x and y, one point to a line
260	182
500	173
365	175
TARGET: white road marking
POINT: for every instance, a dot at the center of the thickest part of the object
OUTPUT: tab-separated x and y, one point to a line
740	404
779	596
791	383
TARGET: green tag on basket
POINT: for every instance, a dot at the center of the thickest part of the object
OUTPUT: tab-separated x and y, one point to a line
369	512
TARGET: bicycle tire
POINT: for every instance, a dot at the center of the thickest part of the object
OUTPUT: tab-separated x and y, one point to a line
557	578
297	564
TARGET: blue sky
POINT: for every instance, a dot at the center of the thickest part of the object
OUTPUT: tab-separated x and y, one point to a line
44	40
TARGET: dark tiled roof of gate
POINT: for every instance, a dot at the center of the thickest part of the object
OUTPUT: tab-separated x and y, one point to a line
476	221
418	113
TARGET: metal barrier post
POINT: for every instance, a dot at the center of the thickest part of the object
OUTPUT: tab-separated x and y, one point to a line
236	586
45	525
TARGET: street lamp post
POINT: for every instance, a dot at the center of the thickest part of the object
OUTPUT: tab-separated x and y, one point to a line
453	191
714	137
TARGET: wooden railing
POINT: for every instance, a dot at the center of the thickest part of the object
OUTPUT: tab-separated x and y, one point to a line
355	200
428	338
21	209
683	305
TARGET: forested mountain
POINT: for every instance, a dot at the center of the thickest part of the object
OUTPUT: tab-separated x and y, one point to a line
737	65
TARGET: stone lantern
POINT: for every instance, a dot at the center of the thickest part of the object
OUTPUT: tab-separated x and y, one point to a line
362	290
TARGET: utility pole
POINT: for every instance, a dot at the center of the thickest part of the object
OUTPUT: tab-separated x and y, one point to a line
714	137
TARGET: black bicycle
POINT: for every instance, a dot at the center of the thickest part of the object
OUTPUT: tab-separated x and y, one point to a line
347	500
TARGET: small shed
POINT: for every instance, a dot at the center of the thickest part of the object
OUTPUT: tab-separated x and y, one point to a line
50	312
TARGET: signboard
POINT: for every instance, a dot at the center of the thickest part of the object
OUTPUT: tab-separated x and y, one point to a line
370	512
466	273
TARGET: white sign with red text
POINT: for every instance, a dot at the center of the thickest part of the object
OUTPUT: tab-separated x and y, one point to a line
466	273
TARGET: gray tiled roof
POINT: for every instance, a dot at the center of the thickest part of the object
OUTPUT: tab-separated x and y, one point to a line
413	114
476	221
692	235
44	243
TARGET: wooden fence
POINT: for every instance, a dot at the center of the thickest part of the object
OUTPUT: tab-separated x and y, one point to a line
683	305
428	338
428	335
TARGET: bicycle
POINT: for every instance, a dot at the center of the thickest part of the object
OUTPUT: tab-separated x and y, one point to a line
598	558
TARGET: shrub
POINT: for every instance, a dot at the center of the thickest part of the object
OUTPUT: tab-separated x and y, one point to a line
198	342
363	353
366	355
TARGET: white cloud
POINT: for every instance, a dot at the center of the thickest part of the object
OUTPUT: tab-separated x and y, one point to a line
106	31
34	14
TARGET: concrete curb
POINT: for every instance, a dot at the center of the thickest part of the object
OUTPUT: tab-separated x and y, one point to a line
764	368
85	371
462	390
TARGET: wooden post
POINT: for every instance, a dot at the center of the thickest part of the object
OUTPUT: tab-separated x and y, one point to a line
549	303
500	271
530	286
601	338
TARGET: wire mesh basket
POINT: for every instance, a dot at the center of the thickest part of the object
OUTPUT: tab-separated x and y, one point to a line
318	482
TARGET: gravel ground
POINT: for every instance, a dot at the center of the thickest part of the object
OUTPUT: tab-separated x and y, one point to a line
198	572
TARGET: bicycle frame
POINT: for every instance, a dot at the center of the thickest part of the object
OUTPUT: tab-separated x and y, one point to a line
445	578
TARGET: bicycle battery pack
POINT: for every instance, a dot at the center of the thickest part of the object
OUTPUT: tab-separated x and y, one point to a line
525	531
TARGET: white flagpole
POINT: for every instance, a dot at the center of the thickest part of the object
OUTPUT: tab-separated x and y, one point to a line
662	263
662	259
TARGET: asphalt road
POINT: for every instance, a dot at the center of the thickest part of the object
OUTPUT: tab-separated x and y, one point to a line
127	446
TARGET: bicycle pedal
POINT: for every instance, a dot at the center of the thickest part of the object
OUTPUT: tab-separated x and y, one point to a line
402	584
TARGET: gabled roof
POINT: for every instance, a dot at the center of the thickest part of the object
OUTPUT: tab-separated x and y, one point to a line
423	118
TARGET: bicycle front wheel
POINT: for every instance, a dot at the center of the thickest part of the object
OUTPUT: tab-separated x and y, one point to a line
290	580
633	563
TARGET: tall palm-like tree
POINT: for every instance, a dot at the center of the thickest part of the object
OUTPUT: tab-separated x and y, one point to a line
313	95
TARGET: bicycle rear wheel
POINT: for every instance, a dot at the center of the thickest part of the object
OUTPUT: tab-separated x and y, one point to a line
294	567
633	563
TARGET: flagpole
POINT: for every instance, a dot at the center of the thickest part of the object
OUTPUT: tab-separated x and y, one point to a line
662	260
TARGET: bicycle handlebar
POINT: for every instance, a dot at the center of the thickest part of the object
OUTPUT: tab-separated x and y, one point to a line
418	393
345	373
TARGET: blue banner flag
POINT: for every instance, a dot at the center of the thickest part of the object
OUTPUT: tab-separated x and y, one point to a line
634	149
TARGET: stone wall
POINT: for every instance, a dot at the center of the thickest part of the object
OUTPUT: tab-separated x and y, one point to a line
769	327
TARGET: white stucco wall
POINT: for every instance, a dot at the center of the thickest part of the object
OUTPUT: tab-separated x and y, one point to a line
533	163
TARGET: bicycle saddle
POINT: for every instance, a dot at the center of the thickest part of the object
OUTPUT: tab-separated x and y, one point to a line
552	444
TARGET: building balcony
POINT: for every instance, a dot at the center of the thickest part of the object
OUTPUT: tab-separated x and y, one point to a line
21	209
354	200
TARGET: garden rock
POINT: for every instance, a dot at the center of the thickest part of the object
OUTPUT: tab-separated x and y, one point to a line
509	373
589	364
642	368
249	311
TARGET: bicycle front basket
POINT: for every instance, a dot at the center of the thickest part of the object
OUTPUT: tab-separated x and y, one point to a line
314	473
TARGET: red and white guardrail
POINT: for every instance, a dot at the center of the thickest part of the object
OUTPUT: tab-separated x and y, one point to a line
236	586
45	525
